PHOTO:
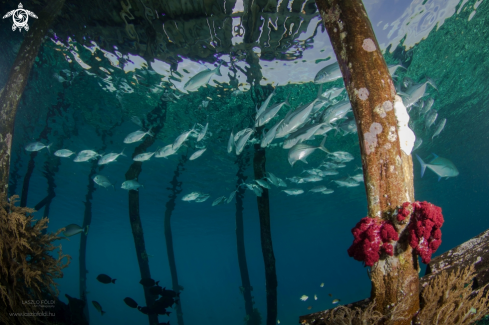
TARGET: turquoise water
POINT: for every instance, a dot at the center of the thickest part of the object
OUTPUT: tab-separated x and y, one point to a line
310	232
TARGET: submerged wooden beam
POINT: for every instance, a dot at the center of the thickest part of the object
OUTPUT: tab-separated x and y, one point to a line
387	169
18	76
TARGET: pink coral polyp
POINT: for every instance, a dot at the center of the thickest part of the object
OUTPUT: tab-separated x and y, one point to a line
424	229
371	237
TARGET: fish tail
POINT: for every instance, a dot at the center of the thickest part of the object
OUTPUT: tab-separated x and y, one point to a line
86	229
432	83
113	281
322	147
218	71
48	146
102	312
150	133
122	152
287	100
423	165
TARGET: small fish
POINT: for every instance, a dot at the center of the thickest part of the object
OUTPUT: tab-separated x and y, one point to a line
270	113
318	189
137	136
335	301
181	139
201	78
110	157
304	297
74	229
322	285
63	153
197	154
219	200
263	183
143	156
329	73
335	112
332	93
393	67
328	172
440	166
417	143
86	155
136	120
202	132
231	142
342	156
202	198
240	144
439	128
346	182
273	179
358	177
281	183
165	151
104	278
148	282
130	302
131	185
293	191
264	105
268	137
327	191
430	118
312	178
36	146
98	307
231	196
315	297
301	151
191	196
102	181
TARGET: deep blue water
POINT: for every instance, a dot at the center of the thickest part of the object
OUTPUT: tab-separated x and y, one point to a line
310	232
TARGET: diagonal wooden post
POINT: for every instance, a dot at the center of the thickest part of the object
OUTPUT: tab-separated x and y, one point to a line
12	92
387	169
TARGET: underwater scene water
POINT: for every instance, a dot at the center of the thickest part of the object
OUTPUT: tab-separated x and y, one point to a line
198	86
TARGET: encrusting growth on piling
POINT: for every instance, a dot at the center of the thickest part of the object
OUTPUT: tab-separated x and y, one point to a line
27	268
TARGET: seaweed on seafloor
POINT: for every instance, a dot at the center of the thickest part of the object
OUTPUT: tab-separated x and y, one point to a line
27	268
449	299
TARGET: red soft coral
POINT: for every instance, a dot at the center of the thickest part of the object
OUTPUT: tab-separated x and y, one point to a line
370	235
404	211
424	229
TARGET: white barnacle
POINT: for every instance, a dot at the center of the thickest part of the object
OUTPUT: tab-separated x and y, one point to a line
375	128
369	45
362	93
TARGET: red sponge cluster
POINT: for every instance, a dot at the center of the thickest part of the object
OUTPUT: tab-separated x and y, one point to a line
424	229
404	211
370	236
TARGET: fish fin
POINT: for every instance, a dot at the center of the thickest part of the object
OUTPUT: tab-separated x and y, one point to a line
113	281
423	165
434	154
149	132
218	71
48	146
122	153
322	147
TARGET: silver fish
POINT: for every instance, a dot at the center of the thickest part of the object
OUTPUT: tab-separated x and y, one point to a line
358	177
102	181
268	137
281	183
219	200
440	166
231	142
318	189
263	183
231	196
137	136
327	191
342	156
240	144
328	172
110	157
273	179
302	134
332	93
181	139
336	112
136	120
417	143
349	126
427	106
202	78
346	182
202	198
202	133
293	191
191	196
264	105
301	151
74	229
86	155
131	185
197	154
165	151
143	156
270	113
328	73
294	119
36	146
430	118
439	128
63	153
312	178
415	92
296	179
325	128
